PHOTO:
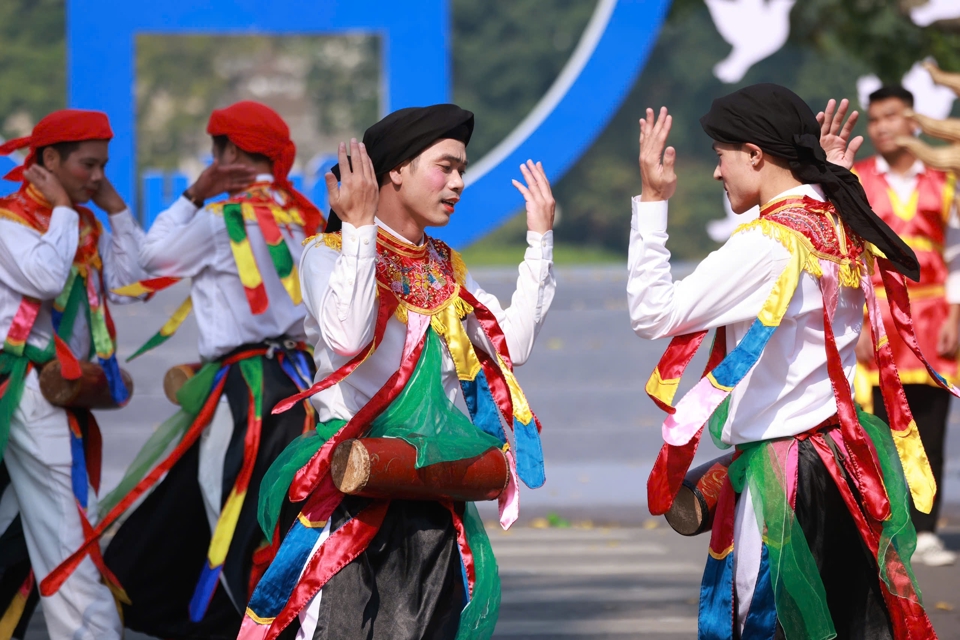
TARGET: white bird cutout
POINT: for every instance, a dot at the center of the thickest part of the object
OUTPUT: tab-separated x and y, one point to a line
929	99
721	230
755	28
934	10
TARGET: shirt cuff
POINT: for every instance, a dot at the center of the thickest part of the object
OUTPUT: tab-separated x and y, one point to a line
539	246
123	223
359	242
649	217
64	216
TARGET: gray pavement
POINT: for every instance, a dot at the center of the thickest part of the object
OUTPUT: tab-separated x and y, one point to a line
617	572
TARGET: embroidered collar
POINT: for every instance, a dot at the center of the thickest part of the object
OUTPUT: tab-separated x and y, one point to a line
423	278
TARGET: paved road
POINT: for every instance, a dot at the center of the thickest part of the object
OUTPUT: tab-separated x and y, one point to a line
612	576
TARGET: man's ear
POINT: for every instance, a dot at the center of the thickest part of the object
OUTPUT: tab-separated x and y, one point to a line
51	159
754	153
396	176
230	153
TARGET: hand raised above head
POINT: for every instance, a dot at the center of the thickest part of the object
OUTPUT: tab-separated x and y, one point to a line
835	134
48	185
656	159
355	199
541	206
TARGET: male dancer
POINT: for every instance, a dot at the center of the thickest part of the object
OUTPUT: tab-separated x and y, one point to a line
57	268
191	551
811	537
383	294
919	204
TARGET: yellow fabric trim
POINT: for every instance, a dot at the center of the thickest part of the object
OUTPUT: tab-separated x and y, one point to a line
775	307
447	325
916	467
264	621
226	525
134	290
904	210
170	326
910	376
717	385
459	267
723	554
922	243
332	240
521	408
664	390
11	617
292	284
246	264
311	524
949	194
917	291
791	241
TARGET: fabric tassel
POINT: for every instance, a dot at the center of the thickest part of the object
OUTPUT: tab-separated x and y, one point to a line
167	330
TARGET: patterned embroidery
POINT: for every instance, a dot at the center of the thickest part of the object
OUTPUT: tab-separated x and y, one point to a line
815	221
424	278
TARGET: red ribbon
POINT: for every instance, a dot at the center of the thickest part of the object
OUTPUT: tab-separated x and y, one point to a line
673	461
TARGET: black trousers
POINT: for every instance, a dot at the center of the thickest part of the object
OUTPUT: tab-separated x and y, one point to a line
159	552
931	409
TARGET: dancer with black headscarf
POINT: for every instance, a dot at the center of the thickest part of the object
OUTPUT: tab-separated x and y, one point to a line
401	327
811	536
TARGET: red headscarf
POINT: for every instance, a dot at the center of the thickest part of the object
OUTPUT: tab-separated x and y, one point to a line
256	128
66	125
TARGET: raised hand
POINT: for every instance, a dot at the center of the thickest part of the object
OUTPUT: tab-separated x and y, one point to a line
48	185
835	134
541	207
221	178
355	199
108	199
656	162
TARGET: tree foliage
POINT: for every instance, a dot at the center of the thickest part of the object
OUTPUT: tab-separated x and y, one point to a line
506	54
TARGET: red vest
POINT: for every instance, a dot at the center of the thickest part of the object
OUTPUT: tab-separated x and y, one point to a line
921	222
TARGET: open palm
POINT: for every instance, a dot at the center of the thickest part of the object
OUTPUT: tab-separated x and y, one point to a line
835	134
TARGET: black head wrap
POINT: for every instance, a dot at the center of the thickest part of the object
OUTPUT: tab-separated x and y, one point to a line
404	134
779	122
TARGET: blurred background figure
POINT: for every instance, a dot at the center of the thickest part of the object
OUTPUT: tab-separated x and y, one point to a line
918	202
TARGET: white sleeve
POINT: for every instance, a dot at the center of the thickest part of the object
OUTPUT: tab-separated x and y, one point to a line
531	300
38	265
119	250
730	285
180	243
340	289
951	255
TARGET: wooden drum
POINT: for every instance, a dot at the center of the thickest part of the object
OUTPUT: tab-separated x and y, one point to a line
693	508
385	468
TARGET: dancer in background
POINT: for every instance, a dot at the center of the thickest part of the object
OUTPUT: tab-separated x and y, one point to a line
919	203
57	268
190	552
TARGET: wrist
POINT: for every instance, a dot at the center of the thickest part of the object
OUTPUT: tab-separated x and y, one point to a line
194	196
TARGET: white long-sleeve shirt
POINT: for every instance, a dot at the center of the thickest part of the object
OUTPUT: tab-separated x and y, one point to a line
339	291
788	391
38	264
185	242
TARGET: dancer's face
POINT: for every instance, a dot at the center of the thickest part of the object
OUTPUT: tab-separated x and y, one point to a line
81	171
737	168
886	120
430	185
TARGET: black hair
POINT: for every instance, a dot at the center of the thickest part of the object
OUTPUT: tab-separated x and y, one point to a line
63	149
220	143
888	91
